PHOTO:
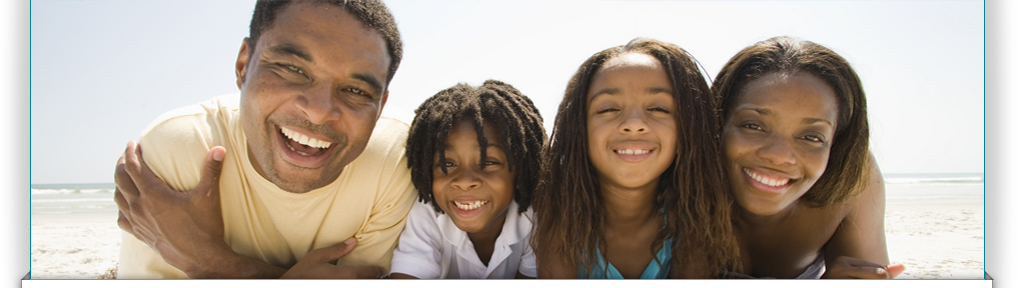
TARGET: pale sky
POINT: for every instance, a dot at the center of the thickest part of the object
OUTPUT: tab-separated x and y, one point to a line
102	70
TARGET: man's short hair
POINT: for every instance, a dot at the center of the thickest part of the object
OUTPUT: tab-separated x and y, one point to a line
371	13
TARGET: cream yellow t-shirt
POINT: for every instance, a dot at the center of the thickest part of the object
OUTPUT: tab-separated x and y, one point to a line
369	200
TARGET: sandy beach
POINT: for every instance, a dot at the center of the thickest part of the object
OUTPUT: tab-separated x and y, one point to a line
935	241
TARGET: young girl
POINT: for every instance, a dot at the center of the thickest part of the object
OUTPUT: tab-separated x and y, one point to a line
796	145
632	179
472	153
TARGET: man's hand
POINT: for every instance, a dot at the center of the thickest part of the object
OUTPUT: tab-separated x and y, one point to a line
845	267
186	228
320	264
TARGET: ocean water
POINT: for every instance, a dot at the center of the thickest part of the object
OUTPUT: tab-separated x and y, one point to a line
73	199
957	188
97	198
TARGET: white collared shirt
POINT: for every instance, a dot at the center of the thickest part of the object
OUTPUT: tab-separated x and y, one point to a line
432	247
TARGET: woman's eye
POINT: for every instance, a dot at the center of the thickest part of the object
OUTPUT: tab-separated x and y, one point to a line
607	110
813	138
752	126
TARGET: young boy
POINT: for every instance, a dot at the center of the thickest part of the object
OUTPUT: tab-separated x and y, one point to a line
474	156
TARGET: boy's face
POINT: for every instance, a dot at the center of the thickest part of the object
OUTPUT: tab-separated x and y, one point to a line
476	199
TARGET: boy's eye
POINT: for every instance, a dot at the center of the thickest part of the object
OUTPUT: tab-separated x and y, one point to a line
606	110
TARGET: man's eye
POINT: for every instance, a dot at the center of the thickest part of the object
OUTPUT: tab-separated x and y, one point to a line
357	91
295	69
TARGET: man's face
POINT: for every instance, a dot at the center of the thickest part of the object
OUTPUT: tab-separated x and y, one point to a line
310	94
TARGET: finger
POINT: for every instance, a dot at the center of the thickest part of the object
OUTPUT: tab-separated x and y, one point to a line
210	172
132	161
865	272
124	223
118	198
895	269
125	185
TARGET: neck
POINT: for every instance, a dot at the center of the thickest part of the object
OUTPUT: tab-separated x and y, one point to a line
756	220
488	235
625	206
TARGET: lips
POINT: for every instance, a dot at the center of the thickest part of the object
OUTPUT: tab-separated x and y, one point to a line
469	205
303	150
633	151
304	139
767	182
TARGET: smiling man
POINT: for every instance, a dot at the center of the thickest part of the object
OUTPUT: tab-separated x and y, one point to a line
309	169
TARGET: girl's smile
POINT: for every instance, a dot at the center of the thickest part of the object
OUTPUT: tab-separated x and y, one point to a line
630	121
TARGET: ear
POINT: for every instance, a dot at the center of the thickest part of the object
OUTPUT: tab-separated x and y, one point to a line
242	58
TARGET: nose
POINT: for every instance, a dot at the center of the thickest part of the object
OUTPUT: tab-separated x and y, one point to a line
466	179
633	123
778	150
318	104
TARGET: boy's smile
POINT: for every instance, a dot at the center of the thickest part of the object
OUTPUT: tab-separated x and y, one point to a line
475	198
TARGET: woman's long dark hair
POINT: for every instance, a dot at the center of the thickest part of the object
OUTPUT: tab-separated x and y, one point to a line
849	156
568	202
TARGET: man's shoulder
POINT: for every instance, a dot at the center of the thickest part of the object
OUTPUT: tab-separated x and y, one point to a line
219	110
175	144
387	143
390	131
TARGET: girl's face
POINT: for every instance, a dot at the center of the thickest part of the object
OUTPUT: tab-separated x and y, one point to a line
630	122
476	199
778	139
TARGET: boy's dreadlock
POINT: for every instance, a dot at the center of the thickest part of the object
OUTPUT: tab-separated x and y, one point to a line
514	117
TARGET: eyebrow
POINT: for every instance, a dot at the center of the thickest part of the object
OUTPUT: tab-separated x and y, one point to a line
816	120
295	50
613	91
449	146
371	80
764	111
291	49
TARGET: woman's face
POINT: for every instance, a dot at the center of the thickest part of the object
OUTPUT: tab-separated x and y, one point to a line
777	140
630	121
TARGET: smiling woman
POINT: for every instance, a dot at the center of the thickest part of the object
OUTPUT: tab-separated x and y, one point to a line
796	140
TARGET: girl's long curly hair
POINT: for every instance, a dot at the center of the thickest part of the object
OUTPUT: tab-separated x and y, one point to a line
568	203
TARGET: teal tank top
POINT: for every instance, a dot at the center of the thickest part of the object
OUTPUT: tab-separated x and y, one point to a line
655	270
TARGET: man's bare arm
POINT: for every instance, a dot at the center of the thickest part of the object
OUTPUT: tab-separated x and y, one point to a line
186	228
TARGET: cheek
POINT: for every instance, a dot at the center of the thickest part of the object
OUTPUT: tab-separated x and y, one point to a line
817	162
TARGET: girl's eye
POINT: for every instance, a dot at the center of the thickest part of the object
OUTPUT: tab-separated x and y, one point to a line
659	109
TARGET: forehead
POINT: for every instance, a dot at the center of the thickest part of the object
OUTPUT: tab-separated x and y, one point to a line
630	71
329	32
797	92
463	129
630	60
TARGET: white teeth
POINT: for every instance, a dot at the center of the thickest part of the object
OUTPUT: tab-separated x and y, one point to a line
304	139
632	152
470	205
766	180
